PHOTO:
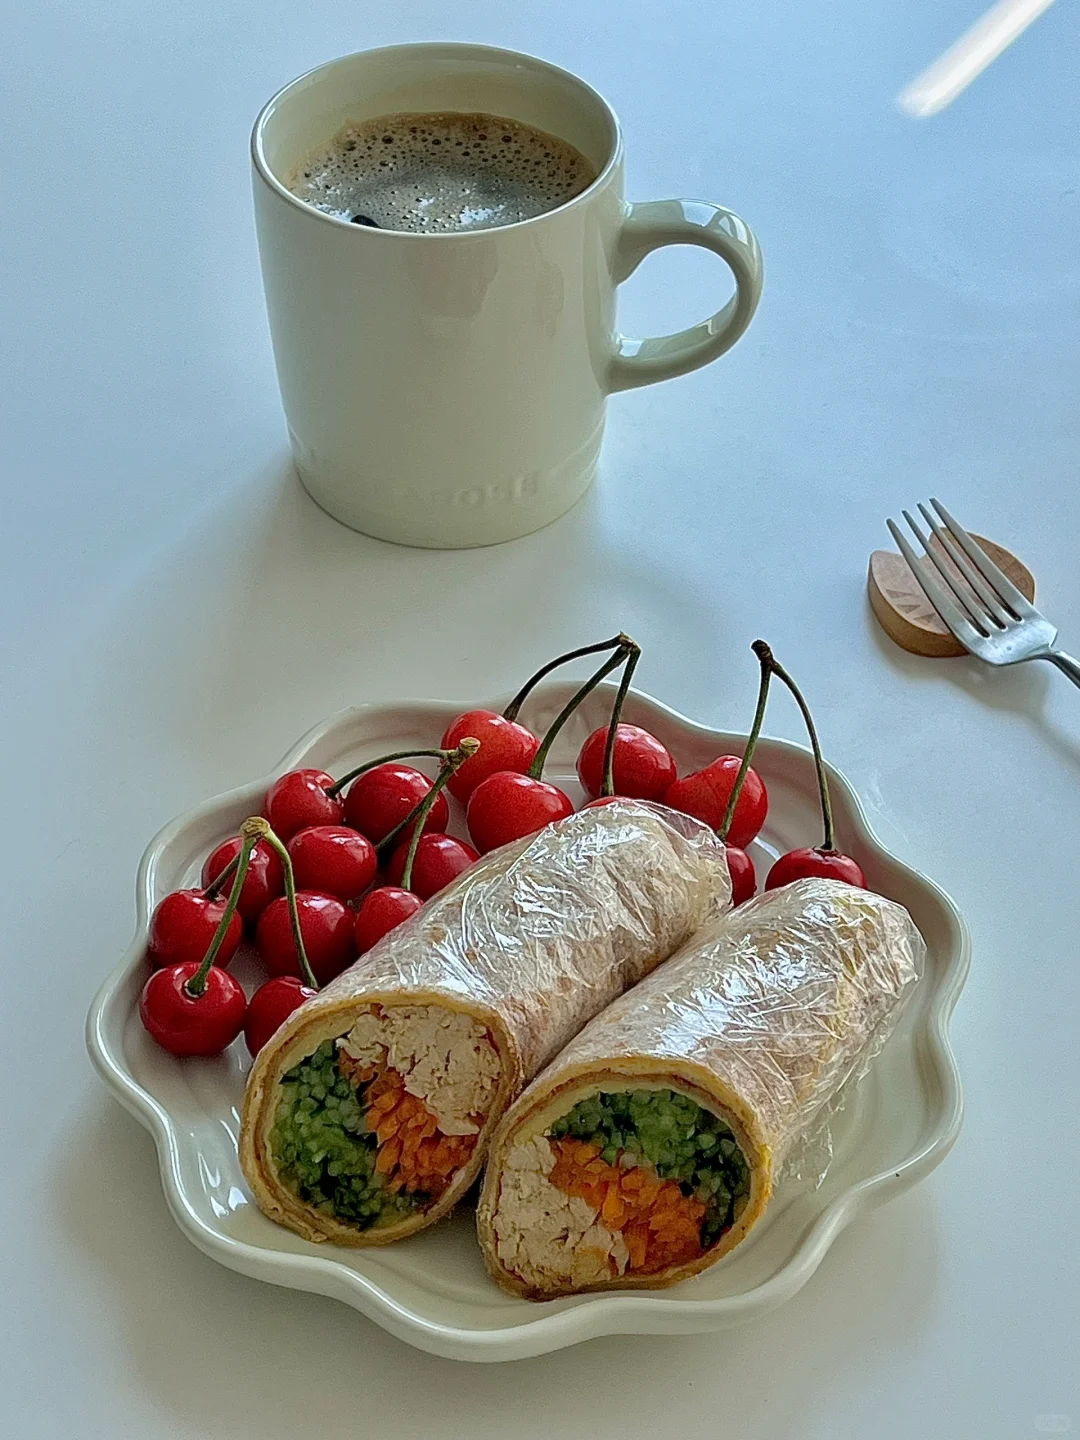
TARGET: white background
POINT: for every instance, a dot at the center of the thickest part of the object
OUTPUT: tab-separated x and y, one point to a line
175	612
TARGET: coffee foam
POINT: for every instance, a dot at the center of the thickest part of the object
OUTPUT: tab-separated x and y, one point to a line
446	172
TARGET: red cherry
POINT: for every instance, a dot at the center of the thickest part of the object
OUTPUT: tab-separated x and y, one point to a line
182	927
380	799
326	926
334	860
705	794
439	859
264	880
504	745
271	1006
188	1024
299	799
743	878
381	911
643	768
507	806
818	864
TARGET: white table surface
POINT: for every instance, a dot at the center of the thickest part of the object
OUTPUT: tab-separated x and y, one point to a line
176	612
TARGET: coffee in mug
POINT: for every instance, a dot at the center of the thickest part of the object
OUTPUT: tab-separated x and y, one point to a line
430	173
445	371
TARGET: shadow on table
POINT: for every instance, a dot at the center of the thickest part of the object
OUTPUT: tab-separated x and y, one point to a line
267	603
230	1356
1020	690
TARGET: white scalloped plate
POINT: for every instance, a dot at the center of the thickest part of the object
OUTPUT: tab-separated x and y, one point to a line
432	1290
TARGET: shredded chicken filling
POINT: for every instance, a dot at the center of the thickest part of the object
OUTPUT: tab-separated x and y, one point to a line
624	1183
376	1125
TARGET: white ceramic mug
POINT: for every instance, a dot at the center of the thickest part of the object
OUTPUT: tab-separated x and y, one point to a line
449	389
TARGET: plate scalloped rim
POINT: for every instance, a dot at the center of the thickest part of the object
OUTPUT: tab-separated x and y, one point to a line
589	1316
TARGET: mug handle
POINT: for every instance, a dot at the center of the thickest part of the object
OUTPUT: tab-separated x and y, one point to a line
685	222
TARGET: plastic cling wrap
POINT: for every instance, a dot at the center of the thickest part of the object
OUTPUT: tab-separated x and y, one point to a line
480	988
759	1019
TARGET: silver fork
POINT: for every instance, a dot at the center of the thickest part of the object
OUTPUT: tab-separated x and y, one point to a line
992	619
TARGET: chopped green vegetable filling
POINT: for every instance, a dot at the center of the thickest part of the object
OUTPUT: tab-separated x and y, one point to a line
323	1149
677	1137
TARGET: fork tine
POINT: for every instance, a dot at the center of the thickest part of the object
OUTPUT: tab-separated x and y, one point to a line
977	583
968	606
1006	590
938	596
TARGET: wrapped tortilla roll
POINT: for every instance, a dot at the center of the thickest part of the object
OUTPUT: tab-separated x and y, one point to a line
368	1113
648	1149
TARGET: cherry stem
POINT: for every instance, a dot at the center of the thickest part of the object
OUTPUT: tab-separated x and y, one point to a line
764	655
387	842
306	972
454	760
511	711
334	790
214	889
626	647
633	655
197	984
828	844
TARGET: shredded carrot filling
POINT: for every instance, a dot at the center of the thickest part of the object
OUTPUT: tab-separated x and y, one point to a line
660	1225
413	1152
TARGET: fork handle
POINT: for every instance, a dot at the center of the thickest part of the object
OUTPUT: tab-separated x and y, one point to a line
1066	664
